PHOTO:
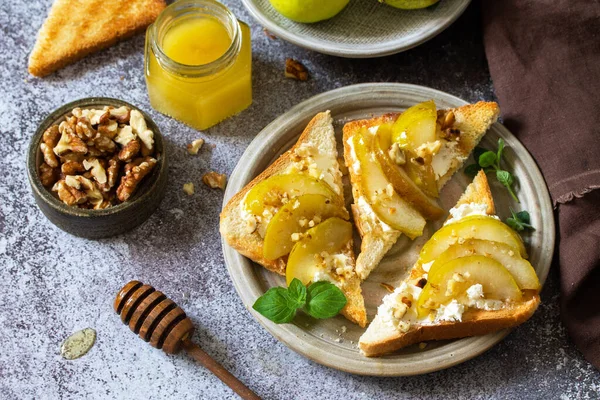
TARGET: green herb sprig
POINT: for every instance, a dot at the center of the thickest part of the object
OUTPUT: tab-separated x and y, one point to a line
519	221
490	161
319	300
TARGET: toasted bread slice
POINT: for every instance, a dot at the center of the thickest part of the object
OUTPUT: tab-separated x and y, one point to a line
472	120
315	146
383	337
76	28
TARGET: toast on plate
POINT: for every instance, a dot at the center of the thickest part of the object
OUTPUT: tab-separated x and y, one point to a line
295	195
406	205
77	28
471	278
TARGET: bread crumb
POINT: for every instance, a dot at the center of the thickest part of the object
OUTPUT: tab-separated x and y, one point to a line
422	345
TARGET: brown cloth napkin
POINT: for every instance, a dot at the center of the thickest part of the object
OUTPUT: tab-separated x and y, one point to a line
544	58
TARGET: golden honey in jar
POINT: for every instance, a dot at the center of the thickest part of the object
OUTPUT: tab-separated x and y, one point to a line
198	63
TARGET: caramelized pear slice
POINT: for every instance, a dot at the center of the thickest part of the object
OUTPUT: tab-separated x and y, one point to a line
305	259
271	191
406	187
452	279
295	217
521	270
415	126
379	193
474	227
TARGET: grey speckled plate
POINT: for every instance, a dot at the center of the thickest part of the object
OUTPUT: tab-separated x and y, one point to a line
327	341
365	28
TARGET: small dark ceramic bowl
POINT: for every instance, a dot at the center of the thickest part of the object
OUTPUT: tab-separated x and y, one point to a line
110	221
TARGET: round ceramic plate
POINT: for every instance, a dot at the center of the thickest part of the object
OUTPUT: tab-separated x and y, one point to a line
365	28
333	342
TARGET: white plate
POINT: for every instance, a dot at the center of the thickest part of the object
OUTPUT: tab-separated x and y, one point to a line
323	340
365	28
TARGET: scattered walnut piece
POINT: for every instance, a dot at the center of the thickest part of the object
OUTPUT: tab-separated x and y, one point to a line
295	70
188	188
269	34
215	180
194	147
121	114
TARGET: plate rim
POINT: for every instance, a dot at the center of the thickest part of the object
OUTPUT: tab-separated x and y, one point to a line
291	335
394	47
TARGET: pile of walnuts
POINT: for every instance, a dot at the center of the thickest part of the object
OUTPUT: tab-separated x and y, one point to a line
95	158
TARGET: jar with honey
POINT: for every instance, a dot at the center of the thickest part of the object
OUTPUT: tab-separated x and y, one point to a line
198	63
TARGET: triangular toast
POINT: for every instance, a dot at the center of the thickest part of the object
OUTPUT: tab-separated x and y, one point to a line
316	147
472	121
77	28
385	334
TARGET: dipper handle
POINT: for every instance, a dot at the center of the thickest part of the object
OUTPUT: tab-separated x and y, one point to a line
158	320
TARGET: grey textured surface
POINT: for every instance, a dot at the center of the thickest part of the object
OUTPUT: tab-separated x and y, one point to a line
54	284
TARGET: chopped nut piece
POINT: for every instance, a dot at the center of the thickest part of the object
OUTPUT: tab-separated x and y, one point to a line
251	224
69	142
130	150
406	301
397	154
121	114
295	70
422	282
84	129
124	135
400	310
147	138
69	195
403	326
113	171
188	188
50	139
95	116
109	128
133	177
97	170
72	168
48	175
194	147
215	180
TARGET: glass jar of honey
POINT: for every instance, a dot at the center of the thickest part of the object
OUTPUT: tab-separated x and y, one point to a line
198	63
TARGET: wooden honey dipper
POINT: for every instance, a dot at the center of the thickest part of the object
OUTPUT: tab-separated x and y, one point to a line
158	320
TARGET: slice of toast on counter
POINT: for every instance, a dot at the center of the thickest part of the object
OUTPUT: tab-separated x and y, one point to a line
461	130
472	278
289	199
76	28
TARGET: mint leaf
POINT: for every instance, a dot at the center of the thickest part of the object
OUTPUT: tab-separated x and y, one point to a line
297	292
477	152
500	149
504	177
276	305
324	300
487	159
523	216
472	170
519	221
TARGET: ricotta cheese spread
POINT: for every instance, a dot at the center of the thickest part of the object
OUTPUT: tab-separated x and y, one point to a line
451	312
466	210
355	163
393	300
445	159
477	300
323	275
